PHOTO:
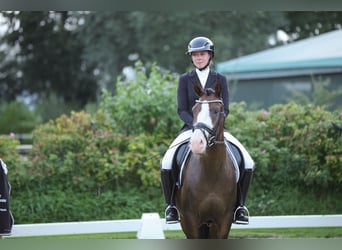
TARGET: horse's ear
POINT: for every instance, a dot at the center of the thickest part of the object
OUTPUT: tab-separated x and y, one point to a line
218	90
199	89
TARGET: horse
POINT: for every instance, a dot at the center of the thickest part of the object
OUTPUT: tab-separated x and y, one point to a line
207	197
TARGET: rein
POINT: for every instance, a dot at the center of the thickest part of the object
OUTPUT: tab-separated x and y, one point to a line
211	139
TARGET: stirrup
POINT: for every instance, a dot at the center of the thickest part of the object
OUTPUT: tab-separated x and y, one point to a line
175	220
246	215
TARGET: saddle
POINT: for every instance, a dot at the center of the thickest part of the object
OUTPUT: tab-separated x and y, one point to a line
238	156
183	153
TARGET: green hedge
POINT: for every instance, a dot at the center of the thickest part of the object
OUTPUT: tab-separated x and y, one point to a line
291	144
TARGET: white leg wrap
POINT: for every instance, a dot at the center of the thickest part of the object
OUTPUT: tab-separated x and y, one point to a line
168	157
249	163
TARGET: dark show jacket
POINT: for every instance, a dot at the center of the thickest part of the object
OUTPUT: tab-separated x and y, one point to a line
6	218
186	95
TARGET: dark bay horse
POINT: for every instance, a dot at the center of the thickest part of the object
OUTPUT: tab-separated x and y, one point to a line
207	197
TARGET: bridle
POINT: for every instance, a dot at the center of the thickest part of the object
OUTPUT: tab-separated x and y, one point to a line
212	133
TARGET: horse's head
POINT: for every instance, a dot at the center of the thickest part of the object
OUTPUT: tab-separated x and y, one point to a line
208	120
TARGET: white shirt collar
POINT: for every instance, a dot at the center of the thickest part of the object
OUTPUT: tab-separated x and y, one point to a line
203	75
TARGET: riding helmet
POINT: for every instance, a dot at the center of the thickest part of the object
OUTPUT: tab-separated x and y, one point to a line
200	43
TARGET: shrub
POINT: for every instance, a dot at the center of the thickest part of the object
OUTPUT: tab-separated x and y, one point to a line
18	176
55	205
291	144
82	153
77	152
146	104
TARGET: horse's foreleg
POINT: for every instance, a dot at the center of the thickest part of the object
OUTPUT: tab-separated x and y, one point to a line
223	230
204	231
190	228
218	229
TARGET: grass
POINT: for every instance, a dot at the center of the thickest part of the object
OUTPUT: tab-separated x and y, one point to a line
279	233
331	232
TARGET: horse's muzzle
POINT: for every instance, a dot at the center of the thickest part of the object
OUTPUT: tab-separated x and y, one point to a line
198	142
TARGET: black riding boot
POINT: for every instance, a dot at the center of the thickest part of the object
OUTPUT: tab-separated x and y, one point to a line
241	214
171	212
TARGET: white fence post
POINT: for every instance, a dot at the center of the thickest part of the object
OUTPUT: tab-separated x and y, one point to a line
151	227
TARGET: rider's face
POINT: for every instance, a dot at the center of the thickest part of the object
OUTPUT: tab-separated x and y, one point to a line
200	58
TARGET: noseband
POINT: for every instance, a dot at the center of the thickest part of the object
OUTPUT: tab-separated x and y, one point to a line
212	133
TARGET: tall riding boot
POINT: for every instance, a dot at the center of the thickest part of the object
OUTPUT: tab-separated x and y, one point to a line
241	214
171	212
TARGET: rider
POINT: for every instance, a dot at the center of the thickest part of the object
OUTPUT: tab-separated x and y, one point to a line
201	52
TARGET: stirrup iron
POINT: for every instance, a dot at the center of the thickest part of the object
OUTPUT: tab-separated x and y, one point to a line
173	221
247	215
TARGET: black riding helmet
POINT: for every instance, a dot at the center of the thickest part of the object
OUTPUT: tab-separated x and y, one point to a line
201	43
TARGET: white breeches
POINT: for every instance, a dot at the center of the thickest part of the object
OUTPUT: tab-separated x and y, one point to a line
168	157
249	163
185	136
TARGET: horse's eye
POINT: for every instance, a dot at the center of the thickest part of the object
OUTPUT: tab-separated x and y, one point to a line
216	110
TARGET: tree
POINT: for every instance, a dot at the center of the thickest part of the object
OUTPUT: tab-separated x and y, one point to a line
73	55
146	104
17	118
304	24
114	40
109	39
47	58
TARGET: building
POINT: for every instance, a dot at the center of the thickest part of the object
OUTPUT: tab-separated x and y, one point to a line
271	76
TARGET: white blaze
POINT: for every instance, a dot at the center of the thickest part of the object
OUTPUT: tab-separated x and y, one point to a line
198	142
204	115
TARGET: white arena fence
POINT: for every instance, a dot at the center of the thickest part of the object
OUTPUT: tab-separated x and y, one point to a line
151	226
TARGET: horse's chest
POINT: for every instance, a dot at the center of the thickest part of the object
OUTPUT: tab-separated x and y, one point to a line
206	181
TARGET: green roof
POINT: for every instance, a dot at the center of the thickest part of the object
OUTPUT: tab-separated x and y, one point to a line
319	54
